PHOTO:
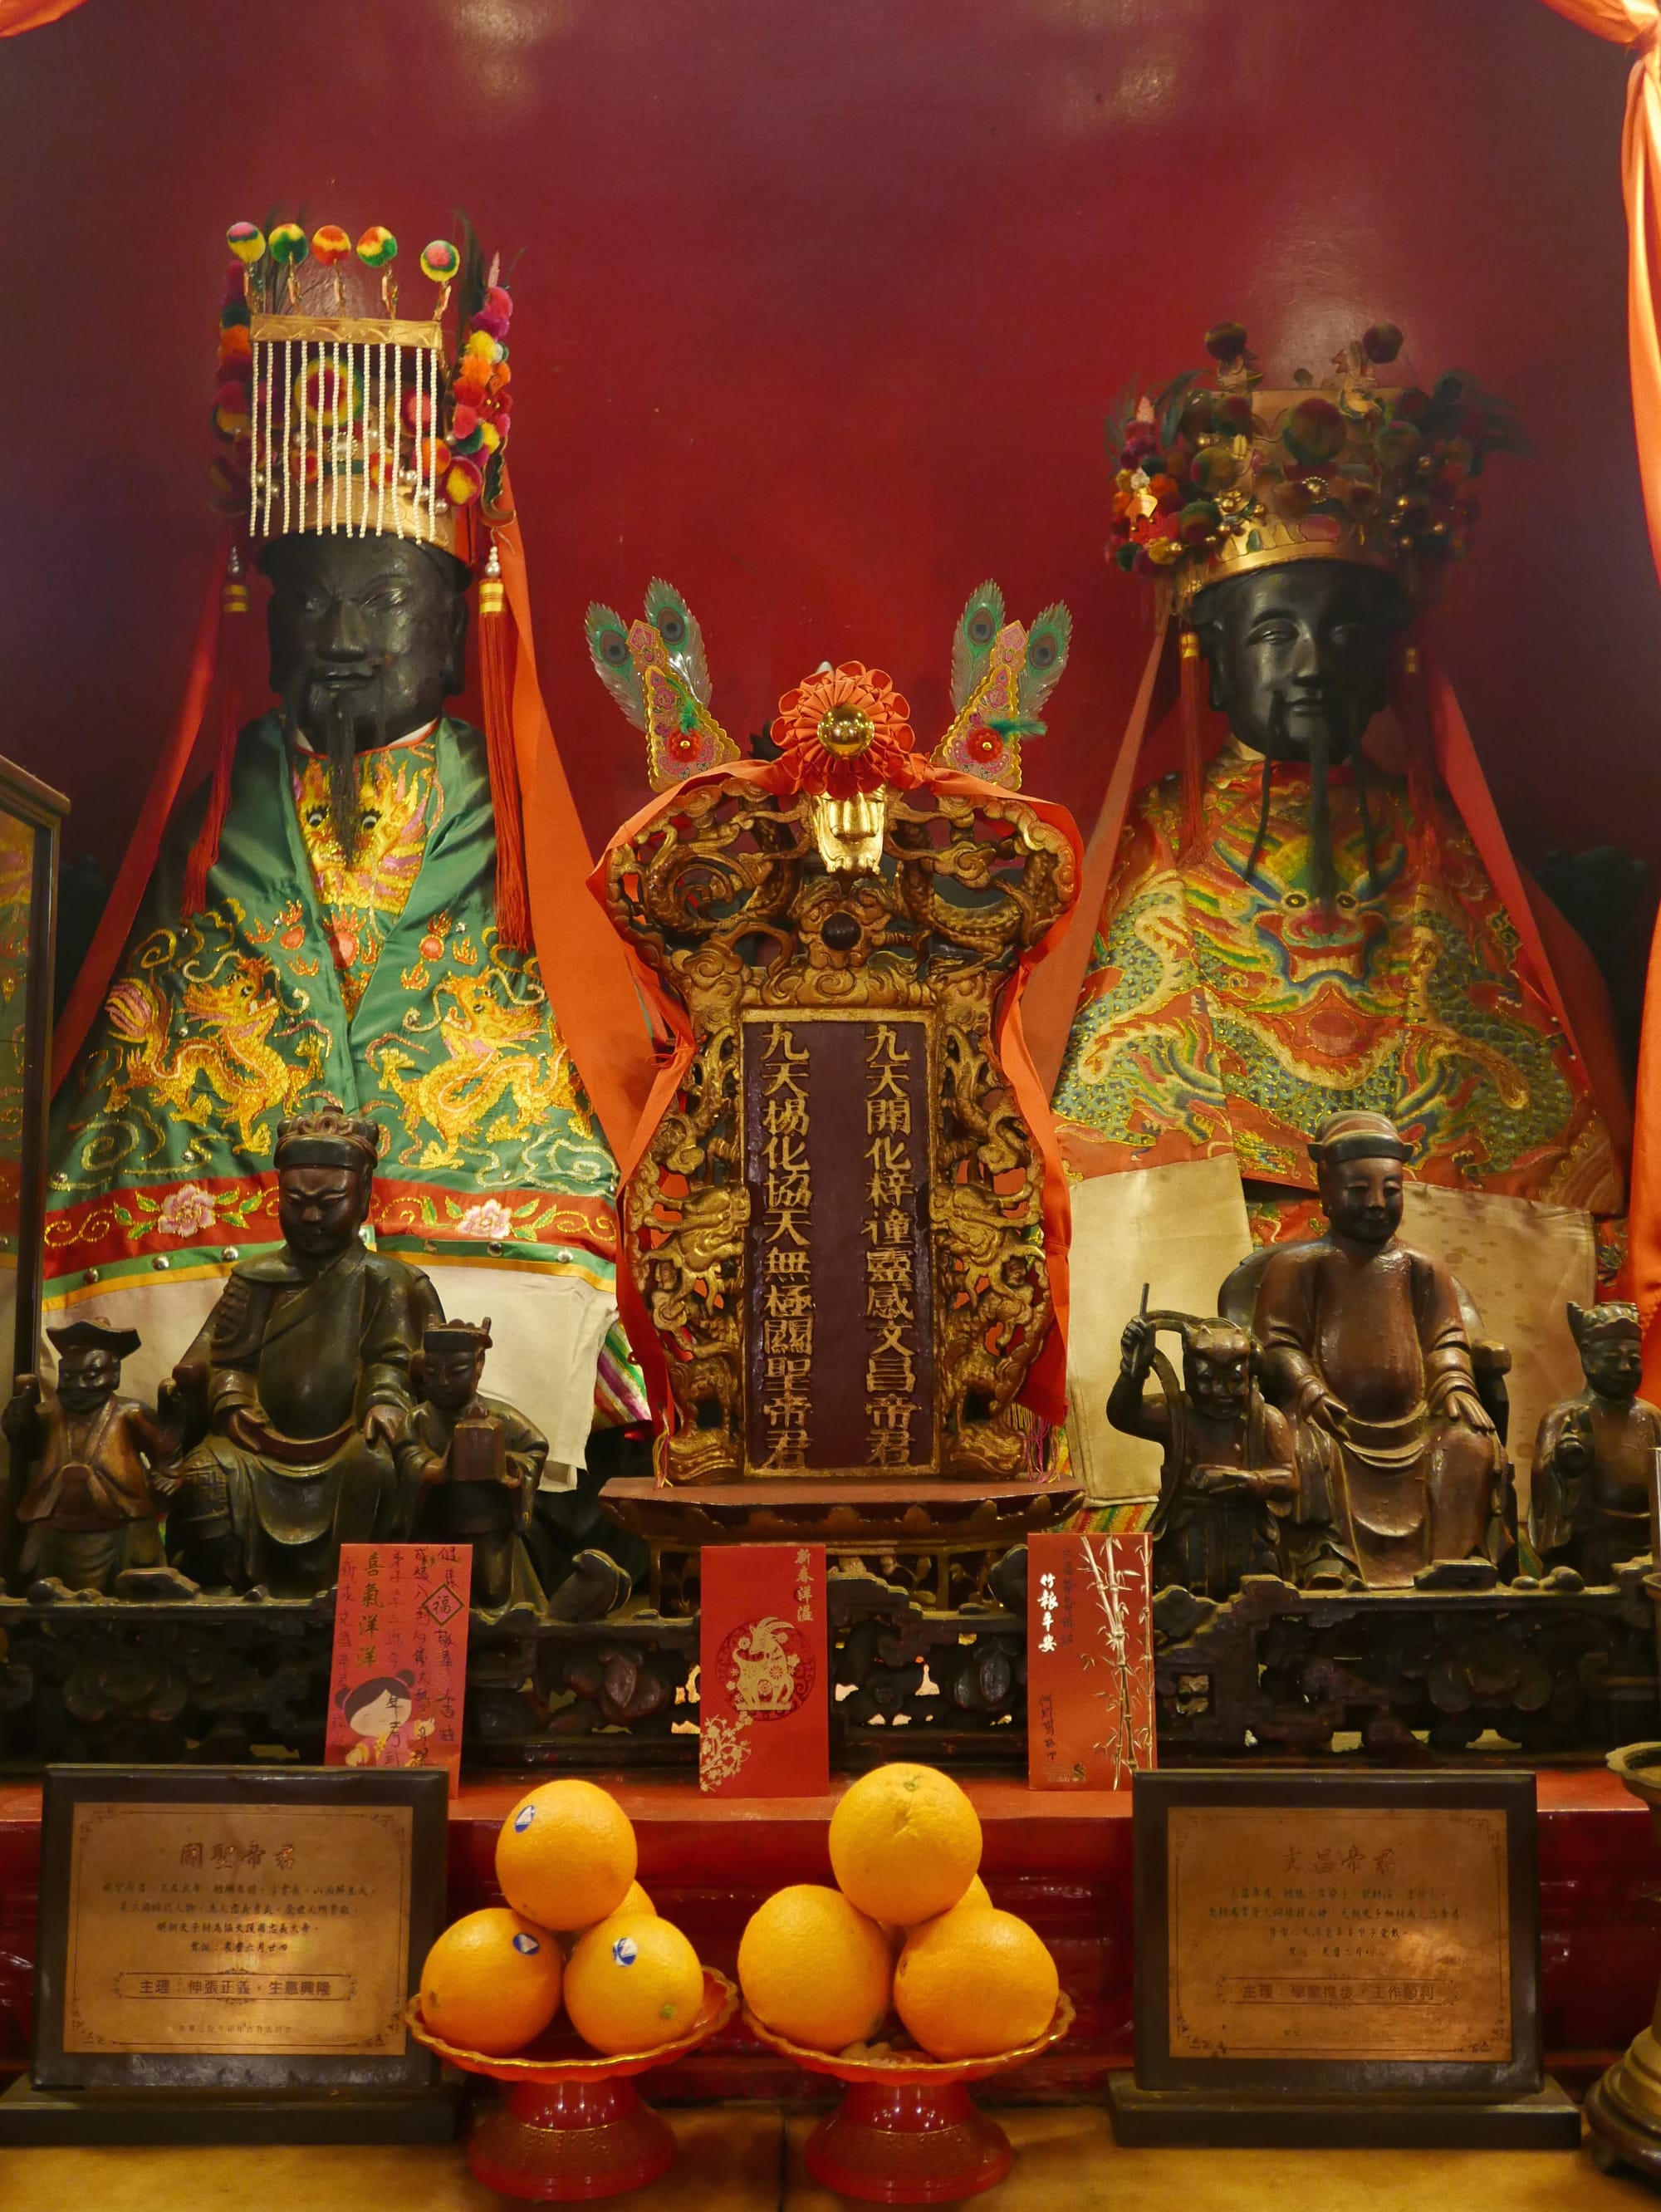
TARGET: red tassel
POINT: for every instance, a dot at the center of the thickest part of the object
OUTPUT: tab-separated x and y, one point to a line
1407	697
233	603
496	682
1193	783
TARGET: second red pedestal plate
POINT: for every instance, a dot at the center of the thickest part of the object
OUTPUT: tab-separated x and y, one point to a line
572	2127
907	2130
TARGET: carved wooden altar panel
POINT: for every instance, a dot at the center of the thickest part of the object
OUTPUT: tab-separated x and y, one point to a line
923	1253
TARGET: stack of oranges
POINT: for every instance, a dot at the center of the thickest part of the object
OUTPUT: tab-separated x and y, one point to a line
566	1860
909	1925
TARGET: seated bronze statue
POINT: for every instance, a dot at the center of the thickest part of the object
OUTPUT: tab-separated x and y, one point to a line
1400	1467
99	1466
1594	1463
303	1371
472	1464
1227	1482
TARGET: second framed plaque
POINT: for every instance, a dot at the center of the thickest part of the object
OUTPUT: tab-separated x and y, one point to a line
1338	1958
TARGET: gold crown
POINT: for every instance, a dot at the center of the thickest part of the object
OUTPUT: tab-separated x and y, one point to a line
1219	476
333	418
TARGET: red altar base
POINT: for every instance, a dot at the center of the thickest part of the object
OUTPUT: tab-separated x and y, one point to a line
1062	1859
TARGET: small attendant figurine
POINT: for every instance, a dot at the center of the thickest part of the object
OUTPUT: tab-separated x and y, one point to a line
381	1715
99	1466
473	1464
1228	1481
1594	1463
1364	1347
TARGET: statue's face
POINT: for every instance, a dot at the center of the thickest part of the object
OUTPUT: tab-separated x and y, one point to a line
86	1375
1612	1361
451	1378
1363	1198
321	1209
1219	1383
1300	654
366	633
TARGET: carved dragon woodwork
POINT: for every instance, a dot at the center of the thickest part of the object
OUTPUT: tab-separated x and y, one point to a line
905	901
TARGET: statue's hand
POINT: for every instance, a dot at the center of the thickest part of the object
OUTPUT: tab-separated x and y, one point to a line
1462	1404
1223	1482
21	1407
1575	1450
382	1426
246	1426
1135	1347
1316	1403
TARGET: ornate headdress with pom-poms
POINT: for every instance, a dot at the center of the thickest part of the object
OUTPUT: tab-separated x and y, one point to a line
1217	475
332	417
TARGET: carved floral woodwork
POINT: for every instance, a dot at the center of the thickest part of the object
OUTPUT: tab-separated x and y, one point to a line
727	897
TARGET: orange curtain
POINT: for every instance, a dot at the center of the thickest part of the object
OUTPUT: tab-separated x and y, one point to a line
1637	24
29	14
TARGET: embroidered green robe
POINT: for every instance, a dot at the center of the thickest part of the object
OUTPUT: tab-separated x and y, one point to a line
162	1135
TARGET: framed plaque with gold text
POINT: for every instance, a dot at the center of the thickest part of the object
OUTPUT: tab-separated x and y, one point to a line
1337	1958
235	1927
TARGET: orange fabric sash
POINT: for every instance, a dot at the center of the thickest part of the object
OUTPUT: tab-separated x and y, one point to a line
138	863
1636	24
1045	1391
585	967
17	15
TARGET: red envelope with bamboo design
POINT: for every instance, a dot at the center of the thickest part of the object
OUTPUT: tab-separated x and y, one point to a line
1089	1661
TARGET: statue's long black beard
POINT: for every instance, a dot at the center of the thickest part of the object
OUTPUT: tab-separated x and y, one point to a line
338	729
1322	863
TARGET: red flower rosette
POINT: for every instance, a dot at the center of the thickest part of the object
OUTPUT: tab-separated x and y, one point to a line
844	732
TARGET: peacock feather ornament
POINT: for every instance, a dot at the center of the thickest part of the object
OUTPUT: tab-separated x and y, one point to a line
656	671
1001	675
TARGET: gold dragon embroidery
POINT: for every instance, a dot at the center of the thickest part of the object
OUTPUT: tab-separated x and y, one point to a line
230	1052
494	1056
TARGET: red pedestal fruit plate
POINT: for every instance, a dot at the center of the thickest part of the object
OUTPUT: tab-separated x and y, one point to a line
906	2130
572	2126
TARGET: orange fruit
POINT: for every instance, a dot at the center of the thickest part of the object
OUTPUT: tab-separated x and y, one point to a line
972	1983
974	1899
566	1855
636	1901
904	1844
491	1983
632	1982
813	1969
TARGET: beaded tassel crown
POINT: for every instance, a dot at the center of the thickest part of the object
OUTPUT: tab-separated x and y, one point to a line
334	412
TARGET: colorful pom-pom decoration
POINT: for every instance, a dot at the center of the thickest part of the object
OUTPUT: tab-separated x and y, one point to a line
441	261
247	241
329	397
329	244
376	246
288	244
463	483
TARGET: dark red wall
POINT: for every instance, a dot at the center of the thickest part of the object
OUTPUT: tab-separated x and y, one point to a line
819	312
